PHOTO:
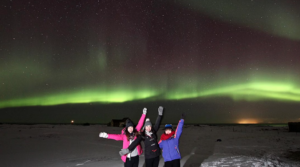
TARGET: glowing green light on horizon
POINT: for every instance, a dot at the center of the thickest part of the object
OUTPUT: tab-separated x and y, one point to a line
250	92
94	95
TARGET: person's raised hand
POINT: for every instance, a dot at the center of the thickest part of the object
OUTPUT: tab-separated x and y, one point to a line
145	111
160	110
182	115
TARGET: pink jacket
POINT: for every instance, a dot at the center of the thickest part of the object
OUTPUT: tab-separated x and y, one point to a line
123	137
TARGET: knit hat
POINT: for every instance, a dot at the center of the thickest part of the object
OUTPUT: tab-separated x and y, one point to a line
148	122
168	126
129	123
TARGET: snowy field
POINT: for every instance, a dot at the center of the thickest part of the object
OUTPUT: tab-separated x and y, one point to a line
76	145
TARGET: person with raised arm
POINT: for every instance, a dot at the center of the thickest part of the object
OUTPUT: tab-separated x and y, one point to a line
128	135
169	142
149	136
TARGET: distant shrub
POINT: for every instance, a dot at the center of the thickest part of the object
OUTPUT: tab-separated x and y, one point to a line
86	124
294	126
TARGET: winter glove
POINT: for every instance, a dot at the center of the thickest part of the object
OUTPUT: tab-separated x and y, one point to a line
124	151
160	110
182	116
103	135
145	111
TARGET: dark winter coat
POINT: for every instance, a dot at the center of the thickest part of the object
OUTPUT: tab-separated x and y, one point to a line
152	149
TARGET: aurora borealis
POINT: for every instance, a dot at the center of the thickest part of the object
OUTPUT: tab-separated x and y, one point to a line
188	52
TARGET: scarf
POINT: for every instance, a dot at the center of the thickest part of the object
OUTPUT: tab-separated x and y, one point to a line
167	136
131	137
148	133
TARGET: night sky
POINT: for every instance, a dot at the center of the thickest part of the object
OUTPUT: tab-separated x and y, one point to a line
219	61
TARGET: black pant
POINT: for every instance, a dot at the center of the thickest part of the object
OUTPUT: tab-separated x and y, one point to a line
152	162
174	163
132	162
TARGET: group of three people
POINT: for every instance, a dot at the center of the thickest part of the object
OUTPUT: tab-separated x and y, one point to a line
132	138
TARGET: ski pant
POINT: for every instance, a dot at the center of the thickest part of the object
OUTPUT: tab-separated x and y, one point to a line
132	162
152	162
173	163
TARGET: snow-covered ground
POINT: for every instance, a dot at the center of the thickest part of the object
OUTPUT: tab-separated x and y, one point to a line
76	145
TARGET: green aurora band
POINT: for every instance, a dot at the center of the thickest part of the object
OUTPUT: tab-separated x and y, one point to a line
253	91
254	14
31	76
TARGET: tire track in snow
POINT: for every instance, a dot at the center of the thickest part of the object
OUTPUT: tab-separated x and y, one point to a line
182	161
